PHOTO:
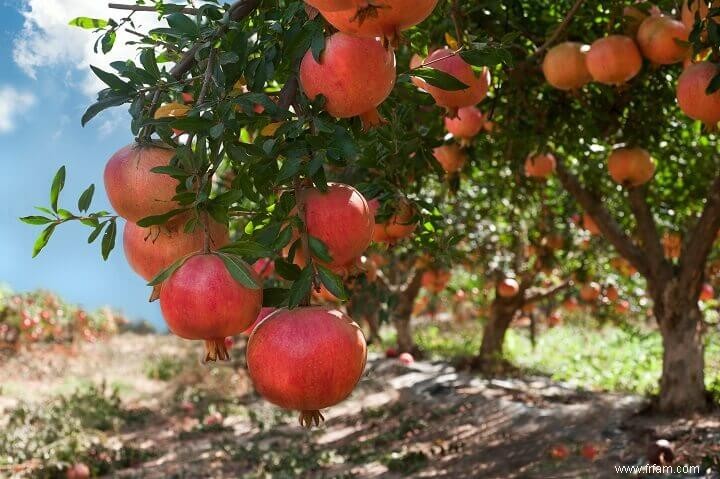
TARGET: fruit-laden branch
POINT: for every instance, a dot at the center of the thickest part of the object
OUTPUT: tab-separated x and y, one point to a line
646	227
560	29
700	240
236	12
608	226
141	8
540	295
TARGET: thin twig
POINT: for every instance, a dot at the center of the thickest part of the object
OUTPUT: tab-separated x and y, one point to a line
140	8
560	29
208	77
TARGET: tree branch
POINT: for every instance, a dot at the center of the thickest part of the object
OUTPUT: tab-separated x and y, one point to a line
539	296
698	245
608	226
140	8
646	228
560	29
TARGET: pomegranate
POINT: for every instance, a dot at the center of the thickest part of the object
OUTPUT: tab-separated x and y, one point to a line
707	292
384	19
264	313
447	61
406	359
398	227
692	97
451	157
306	359
391	353
590	292
508	287
658	38
201	300
540	166
613	60
565	68
340	218
134	191
332	5
78	470
468	123
622	307
559	452
435	281
612	293
631	166
571	304
354	75
590	225
555	319
589	451
151	250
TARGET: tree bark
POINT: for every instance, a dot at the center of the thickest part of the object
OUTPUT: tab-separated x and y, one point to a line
682	384
502	312
403	313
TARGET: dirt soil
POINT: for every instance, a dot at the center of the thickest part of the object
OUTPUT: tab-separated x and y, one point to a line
425	420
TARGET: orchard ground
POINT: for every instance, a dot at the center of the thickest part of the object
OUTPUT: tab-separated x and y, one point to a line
143	406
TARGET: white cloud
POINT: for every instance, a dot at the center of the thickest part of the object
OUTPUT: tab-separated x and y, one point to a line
47	40
12	104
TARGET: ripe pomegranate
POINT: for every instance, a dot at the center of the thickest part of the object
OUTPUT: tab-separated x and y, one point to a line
264	313
391	353
446	61
590	225
151	250
565	68
384	19
508	287
692	97
306	359
622	307
559	452
435	281
134	191
451	157
468	123
589	451
406	359
657	39
201	300
571	304
590	292
555	319
631	166
614	60
340	218
213	419
540	165
332	5
398	227
78	470
354	75
707	292
612	293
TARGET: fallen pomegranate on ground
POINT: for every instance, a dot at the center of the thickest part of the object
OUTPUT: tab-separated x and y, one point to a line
306	359
406	359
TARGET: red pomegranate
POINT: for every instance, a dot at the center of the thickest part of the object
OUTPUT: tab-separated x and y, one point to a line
559	452
508	288
134	191
555	319
384	19
631	166
692	96
406	359
540	166
332	5
398	227
612	293
571	304
590	225
614	60
151	250
435	281
468	123
201	300
451	157
78	470
264	313
707	292
590	292
565	68
306	359
658	38
622	307
354	75
446	61
589	451
340	218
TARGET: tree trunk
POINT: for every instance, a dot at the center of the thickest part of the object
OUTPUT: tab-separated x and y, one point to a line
403	312
502	312
682	384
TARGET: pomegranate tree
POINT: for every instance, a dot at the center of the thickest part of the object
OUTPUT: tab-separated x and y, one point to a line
306	359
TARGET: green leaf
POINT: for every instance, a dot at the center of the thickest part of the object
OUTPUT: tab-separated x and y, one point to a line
36	220
86	198
108	41
57	185
319	249
101	105
286	270
159	219
167	272
113	81
96	232
183	24
714	85
247	248
88	23
239	270
108	241
147	58
43	239
301	289
332	282
275	297
439	79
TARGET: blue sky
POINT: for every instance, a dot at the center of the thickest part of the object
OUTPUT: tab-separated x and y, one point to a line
44	89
